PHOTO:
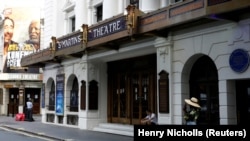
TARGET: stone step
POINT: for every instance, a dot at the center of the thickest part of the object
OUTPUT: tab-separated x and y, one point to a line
121	129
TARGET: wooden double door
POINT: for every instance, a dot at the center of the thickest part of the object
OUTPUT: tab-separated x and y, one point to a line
34	94
130	94
14	95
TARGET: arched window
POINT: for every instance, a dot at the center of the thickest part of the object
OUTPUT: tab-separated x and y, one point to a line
52	97
74	96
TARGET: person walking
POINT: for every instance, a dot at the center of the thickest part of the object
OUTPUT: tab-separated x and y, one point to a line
150	118
29	110
191	116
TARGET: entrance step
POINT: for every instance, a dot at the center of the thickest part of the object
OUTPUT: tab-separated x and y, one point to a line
121	129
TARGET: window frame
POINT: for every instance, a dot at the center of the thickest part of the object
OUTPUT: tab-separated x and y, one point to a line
72	24
99	12
135	2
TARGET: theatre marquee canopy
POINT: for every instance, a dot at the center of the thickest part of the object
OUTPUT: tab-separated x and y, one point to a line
111	33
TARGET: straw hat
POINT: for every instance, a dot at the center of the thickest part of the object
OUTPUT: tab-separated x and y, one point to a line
193	102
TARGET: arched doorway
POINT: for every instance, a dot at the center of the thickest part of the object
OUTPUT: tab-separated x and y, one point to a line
204	85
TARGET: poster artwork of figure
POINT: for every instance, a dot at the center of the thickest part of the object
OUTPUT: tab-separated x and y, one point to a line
34	35
16	32
9	44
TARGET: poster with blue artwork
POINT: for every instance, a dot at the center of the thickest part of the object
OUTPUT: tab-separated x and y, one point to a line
60	94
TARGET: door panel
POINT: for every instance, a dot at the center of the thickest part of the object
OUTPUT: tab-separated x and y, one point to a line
34	94
132	96
13	101
140	96
209	102
120	96
243	101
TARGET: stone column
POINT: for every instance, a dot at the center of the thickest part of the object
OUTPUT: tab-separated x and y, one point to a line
164	61
227	102
164	3
21	99
81	13
110	8
149	5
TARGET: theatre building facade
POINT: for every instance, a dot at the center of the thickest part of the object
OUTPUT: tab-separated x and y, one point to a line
110	72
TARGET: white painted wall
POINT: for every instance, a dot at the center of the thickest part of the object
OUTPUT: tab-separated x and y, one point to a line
217	41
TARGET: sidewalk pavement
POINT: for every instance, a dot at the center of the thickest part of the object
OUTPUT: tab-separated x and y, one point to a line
57	132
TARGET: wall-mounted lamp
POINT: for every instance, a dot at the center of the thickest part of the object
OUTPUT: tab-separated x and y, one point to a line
53	43
132	14
84	36
130	18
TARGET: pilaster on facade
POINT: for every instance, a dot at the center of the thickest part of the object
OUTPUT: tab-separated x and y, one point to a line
163	46
149	5
69	5
239	32
91	70
82	66
164	52
227	102
60	70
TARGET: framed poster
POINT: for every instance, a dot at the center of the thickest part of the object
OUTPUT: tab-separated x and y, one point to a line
21	26
60	94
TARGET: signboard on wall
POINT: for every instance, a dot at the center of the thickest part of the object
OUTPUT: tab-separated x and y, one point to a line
239	60
60	94
21	28
43	95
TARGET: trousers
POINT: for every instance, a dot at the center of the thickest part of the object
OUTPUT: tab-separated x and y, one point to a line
191	123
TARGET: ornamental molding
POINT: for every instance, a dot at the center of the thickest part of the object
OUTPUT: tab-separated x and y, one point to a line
69	6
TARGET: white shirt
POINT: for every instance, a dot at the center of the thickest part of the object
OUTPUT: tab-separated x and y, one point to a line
152	118
29	105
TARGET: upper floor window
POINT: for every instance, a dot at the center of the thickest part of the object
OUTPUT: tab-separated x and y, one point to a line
72	24
135	2
175	1
99	13
68	8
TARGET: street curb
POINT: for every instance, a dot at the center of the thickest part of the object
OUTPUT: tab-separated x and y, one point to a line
32	133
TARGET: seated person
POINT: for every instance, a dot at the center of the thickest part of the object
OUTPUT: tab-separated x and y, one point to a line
150	119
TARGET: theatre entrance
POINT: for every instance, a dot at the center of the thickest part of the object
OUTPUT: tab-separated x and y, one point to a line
34	95
131	89
13	101
204	86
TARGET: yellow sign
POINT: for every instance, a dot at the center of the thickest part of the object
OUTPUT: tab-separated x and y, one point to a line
8	86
